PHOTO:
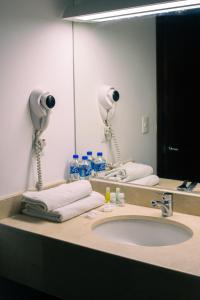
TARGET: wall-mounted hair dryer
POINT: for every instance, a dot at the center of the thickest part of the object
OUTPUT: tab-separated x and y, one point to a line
107	98
41	104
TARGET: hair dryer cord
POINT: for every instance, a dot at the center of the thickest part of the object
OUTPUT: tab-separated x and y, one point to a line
115	145
38	146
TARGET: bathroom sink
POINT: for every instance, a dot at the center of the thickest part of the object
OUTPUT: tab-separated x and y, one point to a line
144	231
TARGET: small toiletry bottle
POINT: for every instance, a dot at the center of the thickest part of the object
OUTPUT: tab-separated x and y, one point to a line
117	196
113	198
107	196
121	199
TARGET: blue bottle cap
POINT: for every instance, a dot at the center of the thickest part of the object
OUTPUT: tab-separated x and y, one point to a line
99	154
89	153
84	157
75	156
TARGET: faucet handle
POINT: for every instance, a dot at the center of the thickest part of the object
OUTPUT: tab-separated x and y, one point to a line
167	196
154	203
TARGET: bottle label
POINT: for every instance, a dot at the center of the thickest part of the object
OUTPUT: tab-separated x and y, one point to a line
92	165
102	167
99	167
88	171
85	171
74	169
82	172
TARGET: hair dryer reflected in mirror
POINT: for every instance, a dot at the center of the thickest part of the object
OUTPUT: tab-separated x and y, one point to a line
108	98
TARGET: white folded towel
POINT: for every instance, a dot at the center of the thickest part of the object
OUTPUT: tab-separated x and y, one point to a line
56	197
68	211
129	171
150	180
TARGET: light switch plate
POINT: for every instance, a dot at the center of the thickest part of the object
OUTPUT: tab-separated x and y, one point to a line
145	124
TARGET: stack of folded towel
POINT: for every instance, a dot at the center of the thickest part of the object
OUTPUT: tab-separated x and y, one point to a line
63	202
134	173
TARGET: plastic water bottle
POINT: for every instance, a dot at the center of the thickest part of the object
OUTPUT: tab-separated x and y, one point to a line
91	161
74	168
99	164
84	168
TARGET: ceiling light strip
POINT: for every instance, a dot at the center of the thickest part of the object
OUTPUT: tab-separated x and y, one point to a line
150	13
129	12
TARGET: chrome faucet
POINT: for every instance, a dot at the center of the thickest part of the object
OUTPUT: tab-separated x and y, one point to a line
166	204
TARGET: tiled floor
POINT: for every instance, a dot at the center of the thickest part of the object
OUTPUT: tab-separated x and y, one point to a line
12	291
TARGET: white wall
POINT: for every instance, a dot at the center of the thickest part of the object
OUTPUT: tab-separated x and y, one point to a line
35	51
122	54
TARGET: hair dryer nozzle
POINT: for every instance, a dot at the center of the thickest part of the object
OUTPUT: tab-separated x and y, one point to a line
107	96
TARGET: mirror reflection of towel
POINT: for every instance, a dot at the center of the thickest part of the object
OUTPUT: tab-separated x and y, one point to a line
129	172
150	180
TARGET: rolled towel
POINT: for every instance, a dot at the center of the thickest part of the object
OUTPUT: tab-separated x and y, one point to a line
59	196
129	172
150	180
68	211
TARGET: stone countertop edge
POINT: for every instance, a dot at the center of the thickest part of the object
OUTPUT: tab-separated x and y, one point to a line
183	257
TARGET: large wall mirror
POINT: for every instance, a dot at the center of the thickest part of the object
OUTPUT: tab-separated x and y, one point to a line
154	63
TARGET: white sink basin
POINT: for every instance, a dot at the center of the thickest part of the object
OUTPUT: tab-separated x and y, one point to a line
145	231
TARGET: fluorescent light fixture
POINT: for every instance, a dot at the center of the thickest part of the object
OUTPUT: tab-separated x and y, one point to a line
137	11
141	14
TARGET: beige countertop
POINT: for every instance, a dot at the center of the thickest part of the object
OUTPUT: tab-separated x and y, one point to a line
182	257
